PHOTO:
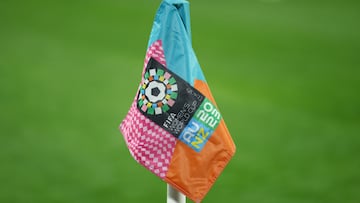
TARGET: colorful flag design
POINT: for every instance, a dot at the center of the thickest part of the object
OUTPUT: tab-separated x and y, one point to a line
174	127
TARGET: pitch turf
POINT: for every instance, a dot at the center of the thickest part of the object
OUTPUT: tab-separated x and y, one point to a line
285	75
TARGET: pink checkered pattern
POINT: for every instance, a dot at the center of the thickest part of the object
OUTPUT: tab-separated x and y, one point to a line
155	51
149	144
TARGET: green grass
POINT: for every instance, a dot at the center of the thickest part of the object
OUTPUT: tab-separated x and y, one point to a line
285	75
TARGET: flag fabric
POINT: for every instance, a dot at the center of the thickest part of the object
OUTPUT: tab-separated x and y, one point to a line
174	127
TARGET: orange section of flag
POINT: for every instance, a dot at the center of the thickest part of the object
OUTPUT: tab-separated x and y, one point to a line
193	173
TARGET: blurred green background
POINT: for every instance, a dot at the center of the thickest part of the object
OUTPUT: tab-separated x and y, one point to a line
285	75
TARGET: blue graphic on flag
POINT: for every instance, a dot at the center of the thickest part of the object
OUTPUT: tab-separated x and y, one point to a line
196	134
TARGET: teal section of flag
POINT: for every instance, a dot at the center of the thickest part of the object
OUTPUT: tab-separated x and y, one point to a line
180	56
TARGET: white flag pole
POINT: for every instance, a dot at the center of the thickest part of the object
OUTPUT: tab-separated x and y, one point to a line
174	196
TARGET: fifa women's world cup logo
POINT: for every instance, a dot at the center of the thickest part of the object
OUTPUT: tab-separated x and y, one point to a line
158	91
176	106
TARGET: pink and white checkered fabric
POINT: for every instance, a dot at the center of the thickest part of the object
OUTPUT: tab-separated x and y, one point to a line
155	51
149	144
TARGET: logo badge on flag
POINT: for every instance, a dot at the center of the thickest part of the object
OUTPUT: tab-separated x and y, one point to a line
174	127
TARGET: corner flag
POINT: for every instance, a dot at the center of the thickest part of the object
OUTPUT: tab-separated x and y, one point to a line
174	127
